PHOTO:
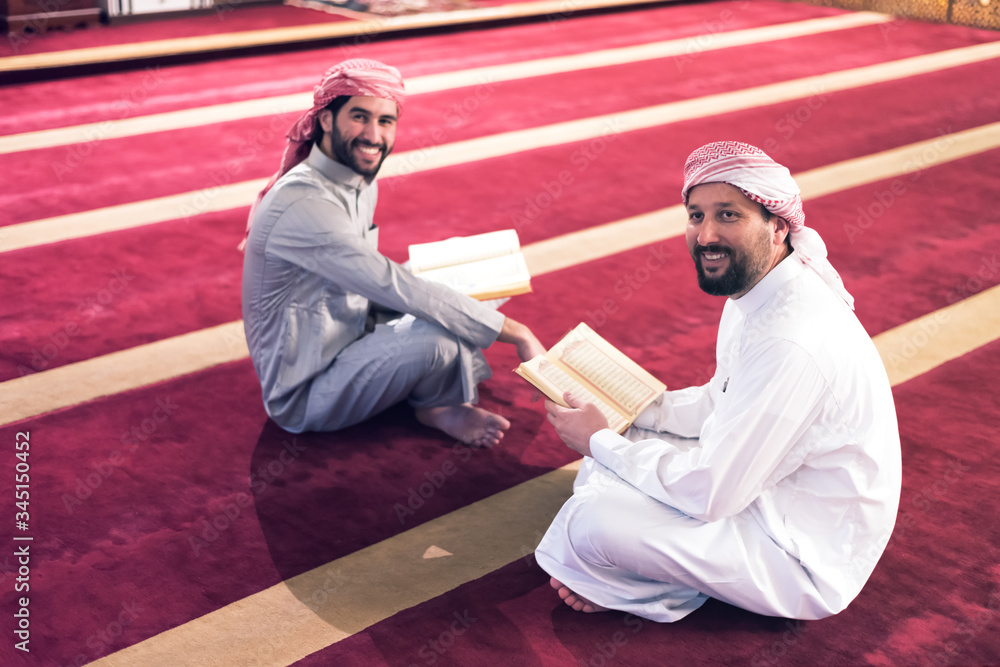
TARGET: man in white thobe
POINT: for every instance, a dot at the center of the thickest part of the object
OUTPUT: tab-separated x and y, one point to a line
775	486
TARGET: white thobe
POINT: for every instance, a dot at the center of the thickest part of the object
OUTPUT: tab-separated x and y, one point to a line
785	500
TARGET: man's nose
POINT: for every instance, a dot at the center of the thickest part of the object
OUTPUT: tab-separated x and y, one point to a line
709	233
370	133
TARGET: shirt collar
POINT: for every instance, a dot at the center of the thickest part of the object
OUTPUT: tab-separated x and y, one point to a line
759	294
335	171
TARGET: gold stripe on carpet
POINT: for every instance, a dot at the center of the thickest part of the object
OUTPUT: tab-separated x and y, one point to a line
120	371
282	104
925	343
305	33
226	197
76	383
307	613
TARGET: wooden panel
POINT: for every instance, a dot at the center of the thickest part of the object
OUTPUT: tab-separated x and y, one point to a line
42	15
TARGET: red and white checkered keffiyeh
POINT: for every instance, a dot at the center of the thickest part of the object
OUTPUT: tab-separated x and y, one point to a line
766	182
354	78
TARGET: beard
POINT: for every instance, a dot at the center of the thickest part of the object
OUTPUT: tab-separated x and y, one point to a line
744	270
343	152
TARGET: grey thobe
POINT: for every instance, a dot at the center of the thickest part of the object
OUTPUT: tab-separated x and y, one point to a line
338	332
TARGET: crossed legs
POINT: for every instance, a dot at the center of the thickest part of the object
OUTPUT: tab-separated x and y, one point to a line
407	359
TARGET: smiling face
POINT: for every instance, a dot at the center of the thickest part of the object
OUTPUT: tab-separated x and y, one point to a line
732	243
362	133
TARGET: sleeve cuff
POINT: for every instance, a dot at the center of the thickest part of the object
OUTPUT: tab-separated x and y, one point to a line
606	448
649	419
493	319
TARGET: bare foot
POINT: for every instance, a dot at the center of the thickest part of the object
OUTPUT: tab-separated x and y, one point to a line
467	423
577	602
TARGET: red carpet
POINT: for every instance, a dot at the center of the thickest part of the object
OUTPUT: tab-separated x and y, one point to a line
84	318
143	537
240	78
61	179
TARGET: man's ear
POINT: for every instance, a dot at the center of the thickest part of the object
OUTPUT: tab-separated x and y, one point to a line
781	230
326	120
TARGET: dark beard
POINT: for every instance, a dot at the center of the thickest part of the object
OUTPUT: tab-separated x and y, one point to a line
733	280
342	153
743	272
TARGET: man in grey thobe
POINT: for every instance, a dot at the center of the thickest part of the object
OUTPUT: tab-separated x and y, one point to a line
337	332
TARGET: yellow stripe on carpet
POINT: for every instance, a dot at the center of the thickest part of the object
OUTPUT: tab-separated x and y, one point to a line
226	197
136	367
221	113
307	613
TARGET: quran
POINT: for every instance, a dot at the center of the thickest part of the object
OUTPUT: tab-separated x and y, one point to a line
594	371
484	266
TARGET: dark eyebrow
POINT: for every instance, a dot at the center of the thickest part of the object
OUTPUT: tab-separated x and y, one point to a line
361	110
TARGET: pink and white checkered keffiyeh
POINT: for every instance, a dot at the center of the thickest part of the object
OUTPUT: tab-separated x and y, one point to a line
354	78
768	183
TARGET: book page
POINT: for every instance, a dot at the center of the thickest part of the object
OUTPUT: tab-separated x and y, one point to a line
621	386
554	381
463	249
593	370
561	379
498	275
624	382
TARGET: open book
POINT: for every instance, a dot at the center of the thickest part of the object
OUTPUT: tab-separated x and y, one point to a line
593	370
484	266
